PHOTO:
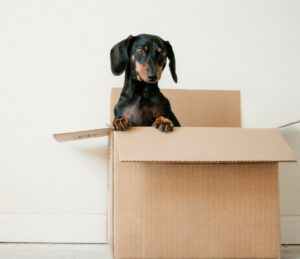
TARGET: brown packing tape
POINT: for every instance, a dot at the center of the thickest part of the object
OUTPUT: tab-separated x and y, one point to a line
78	135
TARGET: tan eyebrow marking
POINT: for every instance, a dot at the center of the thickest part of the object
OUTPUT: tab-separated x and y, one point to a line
159	50
146	47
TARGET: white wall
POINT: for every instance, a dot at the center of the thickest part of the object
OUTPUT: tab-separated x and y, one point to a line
55	77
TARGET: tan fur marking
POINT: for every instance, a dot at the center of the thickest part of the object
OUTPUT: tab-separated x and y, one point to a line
146	48
122	123
141	71
163	124
159	72
159	50
162	119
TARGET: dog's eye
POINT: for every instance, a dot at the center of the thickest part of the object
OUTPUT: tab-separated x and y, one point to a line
141	52
162	56
161	52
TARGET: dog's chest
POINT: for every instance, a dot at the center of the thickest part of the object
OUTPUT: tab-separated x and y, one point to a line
141	112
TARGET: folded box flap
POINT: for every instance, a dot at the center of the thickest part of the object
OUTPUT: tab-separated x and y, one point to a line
202	145
84	134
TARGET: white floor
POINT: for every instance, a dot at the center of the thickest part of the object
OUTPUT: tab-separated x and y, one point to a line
83	251
290	252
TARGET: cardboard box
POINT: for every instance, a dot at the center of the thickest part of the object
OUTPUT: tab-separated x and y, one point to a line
207	190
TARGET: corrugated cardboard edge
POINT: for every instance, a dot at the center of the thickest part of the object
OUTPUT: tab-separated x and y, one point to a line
79	135
278	211
102	132
96	133
110	180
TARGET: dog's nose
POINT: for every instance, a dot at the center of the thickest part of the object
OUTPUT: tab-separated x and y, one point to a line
152	77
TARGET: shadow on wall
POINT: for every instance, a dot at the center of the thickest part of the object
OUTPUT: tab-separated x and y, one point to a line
290	173
96	149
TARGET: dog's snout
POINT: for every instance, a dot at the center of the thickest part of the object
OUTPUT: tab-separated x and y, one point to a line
152	77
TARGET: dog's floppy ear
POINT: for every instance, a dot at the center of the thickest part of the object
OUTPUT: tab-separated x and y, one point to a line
119	56
172	62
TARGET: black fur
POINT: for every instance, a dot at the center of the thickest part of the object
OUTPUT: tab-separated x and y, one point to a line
141	101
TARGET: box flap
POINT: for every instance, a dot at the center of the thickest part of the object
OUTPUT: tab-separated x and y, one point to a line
77	135
202	145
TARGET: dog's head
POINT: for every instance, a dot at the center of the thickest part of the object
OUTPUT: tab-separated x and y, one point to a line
146	55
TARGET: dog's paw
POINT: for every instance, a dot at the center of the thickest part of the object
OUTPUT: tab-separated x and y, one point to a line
163	124
122	123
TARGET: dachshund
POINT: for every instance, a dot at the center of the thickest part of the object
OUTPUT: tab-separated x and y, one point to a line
143	58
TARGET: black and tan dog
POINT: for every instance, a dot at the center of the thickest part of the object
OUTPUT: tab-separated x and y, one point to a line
143	58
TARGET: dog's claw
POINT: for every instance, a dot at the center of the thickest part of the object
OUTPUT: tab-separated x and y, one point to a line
122	124
163	124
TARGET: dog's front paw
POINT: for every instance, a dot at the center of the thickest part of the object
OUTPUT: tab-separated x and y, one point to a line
163	124
122	123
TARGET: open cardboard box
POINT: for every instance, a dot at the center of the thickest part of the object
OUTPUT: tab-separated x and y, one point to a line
209	189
